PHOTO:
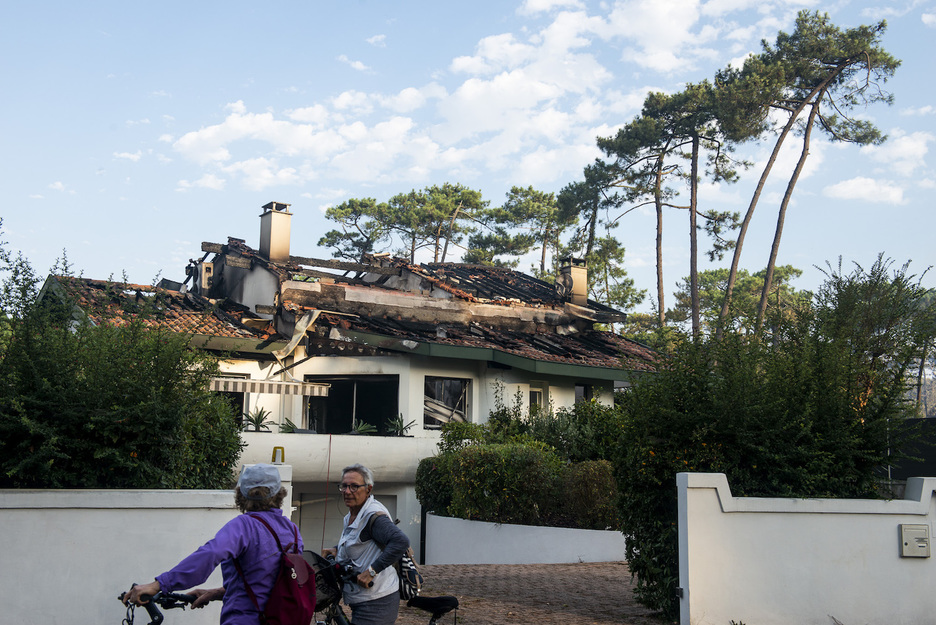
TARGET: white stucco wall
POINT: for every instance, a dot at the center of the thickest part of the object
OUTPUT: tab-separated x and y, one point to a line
765	561
317	459
68	554
457	541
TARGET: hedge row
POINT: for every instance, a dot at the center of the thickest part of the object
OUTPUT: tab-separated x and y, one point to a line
519	483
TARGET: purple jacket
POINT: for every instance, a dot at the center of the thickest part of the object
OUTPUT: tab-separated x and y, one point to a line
242	538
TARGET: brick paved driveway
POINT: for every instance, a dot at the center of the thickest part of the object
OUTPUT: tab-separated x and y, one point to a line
539	594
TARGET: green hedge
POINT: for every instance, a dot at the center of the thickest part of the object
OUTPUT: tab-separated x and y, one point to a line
507	483
518	483
589	496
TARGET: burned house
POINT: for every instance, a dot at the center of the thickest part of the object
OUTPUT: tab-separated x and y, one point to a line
335	350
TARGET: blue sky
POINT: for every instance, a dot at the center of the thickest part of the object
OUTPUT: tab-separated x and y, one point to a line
134	131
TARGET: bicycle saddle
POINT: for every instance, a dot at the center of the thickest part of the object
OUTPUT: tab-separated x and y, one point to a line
437	605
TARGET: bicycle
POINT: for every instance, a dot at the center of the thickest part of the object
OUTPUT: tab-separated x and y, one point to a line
330	576
164	600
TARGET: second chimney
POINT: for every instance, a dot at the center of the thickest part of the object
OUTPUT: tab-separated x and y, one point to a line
577	270
274	232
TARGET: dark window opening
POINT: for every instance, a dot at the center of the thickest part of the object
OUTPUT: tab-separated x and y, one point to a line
354	402
236	402
584	392
446	399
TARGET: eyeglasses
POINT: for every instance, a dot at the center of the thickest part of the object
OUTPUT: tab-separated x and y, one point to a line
350	487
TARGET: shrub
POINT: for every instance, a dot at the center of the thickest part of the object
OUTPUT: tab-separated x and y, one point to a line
106	406
434	483
505	483
589	496
809	415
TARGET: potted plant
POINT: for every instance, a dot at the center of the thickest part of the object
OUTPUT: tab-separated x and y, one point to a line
258	419
360	427
397	426
288	427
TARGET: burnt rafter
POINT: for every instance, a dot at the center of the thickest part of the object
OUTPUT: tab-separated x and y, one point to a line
346	266
312	273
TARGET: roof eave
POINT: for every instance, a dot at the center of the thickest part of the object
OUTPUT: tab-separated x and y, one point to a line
441	350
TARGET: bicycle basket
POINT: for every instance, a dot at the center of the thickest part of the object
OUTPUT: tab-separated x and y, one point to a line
327	586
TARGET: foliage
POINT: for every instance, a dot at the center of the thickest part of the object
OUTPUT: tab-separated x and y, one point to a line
288	426
398	426
362	427
458	434
528	218
434	483
108	407
648	154
504	483
258	419
806	416
363	227
589	496
559	458
607	279
783	303
585	432
816	77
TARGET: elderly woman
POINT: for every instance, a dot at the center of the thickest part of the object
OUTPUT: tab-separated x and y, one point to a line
243	544
370	544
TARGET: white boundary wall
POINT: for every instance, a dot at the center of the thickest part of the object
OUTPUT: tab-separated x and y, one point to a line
67	554
456	541
765	561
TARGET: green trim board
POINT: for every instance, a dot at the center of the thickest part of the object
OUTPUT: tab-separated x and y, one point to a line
523	363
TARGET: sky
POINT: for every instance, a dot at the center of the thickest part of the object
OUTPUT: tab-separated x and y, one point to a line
134	131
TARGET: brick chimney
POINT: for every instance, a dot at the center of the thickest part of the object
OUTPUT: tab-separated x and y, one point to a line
274	232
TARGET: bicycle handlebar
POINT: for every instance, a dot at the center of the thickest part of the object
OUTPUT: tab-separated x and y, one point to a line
343	573
164	600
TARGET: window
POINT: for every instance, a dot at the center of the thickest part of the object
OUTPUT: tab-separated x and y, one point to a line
446	399
353	401
584	392
539	392
236	399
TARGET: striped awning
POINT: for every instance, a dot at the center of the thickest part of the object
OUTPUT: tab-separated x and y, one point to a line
235	385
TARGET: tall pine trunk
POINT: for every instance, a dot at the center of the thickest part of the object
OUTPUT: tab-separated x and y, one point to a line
781	216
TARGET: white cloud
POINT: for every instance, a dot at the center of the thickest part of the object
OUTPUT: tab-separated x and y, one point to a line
36	196
927	109
317	115
660	32
358	65
208	181
865	189
260	173
129	156
353	101
379	41
412	99
494	54
929	19
57	186
214	144
531	7
904	153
